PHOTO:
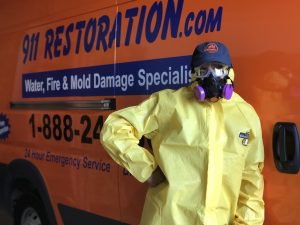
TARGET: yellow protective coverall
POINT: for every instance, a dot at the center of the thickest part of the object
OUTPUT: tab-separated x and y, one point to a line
211	154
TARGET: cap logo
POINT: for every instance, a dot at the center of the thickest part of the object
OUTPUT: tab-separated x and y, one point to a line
211	48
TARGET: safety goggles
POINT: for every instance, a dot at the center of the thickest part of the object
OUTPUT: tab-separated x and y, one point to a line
216	69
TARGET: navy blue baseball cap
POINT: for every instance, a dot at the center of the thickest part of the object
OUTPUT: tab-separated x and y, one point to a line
211	52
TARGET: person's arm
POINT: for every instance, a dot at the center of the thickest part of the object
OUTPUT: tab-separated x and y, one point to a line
121	133
250	208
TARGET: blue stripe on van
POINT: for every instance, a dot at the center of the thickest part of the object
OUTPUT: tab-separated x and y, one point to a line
131	78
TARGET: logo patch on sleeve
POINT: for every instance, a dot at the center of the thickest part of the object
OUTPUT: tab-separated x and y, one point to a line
245	137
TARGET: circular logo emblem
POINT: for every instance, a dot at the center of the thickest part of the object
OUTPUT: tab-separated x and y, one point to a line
4	127
211	48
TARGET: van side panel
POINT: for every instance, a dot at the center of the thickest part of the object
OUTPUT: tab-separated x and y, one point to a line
66	65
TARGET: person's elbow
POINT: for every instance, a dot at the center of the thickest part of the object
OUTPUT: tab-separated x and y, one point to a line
105	135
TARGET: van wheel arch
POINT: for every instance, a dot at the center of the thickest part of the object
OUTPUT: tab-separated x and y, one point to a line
23	181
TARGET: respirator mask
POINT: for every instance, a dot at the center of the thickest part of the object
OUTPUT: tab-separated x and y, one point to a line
212	79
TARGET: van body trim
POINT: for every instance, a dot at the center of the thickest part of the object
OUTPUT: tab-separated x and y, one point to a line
104	104
75	216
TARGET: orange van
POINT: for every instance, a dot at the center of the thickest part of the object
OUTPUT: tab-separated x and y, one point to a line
66	65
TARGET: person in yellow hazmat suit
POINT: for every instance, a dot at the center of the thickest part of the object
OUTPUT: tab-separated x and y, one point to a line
207	160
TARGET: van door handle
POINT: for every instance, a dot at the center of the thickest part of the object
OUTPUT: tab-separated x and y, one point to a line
286	149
